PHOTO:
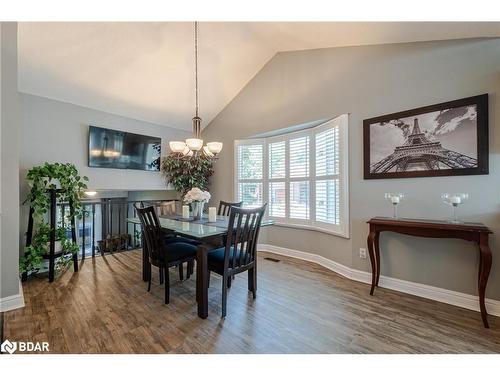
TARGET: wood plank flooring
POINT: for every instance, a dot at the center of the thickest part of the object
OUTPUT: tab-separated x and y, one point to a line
300	308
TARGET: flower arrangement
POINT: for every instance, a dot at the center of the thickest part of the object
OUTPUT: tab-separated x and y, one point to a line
197	195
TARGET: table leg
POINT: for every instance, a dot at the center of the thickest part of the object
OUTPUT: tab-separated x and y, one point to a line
484	272
370	243
377	255
202	281
146	266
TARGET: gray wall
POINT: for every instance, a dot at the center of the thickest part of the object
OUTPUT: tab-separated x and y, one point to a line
9	162
297	87
55	131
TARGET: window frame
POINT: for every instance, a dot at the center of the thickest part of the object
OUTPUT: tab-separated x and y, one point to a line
285	179
237	143
343	229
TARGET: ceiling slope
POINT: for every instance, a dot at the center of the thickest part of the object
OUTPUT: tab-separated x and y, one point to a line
145	70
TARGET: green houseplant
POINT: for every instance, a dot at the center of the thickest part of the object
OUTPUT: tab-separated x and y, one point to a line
187	173
70	187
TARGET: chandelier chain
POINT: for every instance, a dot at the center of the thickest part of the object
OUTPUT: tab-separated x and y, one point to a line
196	63
193	147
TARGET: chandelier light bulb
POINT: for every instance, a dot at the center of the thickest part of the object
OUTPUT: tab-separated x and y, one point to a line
194	144
187	151
207	151
177	147
214	147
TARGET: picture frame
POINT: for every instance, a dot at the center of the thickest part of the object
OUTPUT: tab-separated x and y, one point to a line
445	139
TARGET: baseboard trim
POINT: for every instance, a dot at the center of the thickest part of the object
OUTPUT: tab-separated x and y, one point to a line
15	301
467	301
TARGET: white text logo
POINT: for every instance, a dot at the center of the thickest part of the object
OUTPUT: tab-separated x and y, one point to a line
22	346
8	347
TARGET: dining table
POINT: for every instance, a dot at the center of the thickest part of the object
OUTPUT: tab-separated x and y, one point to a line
210	236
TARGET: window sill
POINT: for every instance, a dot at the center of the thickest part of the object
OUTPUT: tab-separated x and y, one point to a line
311	228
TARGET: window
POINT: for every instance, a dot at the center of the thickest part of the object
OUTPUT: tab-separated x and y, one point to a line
327	176
250	174
277	172
303	176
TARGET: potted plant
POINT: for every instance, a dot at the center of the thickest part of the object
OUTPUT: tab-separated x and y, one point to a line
187	173
197	199
69	187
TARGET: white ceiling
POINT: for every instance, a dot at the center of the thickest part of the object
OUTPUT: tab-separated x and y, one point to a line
145	70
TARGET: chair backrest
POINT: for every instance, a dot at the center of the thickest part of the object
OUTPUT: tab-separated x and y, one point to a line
225	207
242	236
152	232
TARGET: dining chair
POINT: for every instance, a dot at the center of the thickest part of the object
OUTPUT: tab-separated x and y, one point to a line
240	251
224	210
162	253
225	207
168	208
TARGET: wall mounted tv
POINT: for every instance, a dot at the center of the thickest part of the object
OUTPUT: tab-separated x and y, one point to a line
116	149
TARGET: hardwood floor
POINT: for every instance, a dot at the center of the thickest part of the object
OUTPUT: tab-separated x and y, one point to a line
300	308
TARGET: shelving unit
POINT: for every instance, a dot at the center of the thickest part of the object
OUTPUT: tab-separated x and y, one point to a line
53	255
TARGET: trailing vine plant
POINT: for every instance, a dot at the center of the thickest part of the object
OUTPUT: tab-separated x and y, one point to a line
187	173
41	179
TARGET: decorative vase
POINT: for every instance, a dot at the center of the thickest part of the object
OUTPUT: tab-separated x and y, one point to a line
197	208
394	199
454	200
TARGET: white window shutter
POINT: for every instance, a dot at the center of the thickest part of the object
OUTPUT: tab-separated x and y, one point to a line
303	176
277	174
299	157
250	161
299	178
276	160
250	193
277	198
249	171
327	176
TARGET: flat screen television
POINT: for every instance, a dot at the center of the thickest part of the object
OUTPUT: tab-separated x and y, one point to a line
117	149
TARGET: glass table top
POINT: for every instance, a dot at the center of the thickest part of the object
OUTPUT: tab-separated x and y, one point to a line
196	229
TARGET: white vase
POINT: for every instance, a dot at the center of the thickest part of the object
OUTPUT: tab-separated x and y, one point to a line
197	208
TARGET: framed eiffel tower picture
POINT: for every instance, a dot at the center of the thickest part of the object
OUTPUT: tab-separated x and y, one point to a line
446	139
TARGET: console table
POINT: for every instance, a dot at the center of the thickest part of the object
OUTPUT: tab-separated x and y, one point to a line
475	232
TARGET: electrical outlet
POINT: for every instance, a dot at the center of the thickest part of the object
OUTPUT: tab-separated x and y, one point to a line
362	253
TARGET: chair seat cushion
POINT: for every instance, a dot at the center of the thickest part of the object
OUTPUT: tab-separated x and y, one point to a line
216	258
172	239
179	250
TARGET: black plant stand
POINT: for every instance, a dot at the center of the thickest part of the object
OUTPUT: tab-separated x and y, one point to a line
52	255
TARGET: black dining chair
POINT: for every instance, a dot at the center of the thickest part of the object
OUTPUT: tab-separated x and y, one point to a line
240	251
171	236
225	207
163	253
224	210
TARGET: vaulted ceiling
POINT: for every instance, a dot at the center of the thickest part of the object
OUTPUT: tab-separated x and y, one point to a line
145	70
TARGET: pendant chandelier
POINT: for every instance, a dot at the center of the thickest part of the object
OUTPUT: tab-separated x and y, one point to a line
194	146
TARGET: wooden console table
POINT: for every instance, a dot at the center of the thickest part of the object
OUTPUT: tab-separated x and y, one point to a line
475	232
